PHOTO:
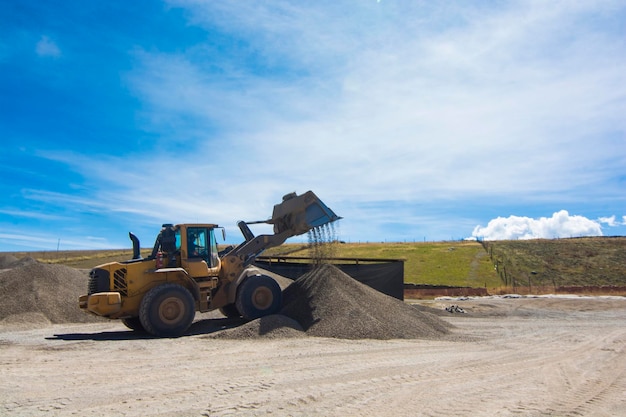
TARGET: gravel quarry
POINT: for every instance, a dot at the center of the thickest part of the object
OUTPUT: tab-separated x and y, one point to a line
335	349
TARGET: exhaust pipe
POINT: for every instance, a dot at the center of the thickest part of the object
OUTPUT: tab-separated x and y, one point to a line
136	249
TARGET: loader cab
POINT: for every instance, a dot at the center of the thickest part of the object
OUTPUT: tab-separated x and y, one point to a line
197	243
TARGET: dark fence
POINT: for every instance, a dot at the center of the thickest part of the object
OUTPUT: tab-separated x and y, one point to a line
384	275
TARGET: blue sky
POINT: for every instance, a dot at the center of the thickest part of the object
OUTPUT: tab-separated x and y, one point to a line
412	120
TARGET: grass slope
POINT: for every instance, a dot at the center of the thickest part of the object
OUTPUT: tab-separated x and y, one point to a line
463	264
599	261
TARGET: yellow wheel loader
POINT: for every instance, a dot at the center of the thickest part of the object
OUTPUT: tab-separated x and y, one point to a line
185	272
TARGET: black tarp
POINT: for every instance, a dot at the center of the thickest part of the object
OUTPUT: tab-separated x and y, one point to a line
384	276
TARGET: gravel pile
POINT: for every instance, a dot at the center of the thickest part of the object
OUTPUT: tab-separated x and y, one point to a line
37	293
10	261
7	261
326	302
275	326
329	303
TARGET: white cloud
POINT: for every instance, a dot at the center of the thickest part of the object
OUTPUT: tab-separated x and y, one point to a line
609	221
560	225
47	47
612	221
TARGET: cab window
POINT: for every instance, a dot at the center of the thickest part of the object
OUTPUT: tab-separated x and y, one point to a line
214	258
177	236
197	242
201	243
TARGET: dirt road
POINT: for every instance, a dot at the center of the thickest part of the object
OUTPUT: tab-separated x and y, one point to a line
528	357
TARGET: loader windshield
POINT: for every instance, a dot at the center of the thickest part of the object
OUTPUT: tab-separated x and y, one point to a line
201	243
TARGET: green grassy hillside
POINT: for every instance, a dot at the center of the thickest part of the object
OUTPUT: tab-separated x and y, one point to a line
464	264
560	262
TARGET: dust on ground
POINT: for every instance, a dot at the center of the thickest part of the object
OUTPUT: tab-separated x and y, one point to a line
503	356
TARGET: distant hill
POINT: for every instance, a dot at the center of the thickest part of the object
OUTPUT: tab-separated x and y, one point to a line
591	261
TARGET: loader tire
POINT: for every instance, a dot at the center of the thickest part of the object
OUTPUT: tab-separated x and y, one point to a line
258	296
134	323
167	310
230	311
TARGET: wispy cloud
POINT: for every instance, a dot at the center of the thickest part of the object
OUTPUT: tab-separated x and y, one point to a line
431	113
479	107
45	242
410	119
32	215
46	47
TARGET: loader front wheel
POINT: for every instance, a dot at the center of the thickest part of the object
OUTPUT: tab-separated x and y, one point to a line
230	311
258	296
133	323
167	310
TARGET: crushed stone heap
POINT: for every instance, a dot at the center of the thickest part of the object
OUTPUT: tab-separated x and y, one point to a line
329	303
274	326
7	261
39	293
326	302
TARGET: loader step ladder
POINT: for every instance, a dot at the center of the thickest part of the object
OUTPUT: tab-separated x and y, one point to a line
206	285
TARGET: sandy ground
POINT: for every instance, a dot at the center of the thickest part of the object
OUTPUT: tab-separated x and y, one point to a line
528	357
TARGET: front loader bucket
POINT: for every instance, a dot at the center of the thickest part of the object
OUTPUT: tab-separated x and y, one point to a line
298	214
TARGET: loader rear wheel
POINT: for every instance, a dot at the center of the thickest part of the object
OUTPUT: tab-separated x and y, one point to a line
134	323
167	310
258	296
230	311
